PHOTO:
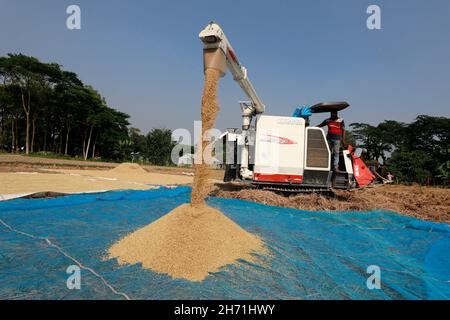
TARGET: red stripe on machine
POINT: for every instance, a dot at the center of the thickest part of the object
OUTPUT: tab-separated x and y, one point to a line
279	140
232	55
286	178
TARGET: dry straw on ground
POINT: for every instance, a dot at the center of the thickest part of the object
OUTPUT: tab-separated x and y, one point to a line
421	202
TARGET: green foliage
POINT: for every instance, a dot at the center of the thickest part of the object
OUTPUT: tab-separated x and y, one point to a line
159	147
55	115
431	135
444	172
48	109
138	141
123	149
416	152
414	166
373	139
349	138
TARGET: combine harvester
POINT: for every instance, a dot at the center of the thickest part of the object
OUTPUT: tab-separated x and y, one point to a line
277	152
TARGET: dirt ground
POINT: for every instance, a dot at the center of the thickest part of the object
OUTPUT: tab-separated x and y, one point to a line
21	163
427	203
21	174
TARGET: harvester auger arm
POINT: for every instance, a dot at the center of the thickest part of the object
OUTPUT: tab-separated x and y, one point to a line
219	54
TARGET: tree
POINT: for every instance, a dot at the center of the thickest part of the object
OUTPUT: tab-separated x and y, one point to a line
48	109
113	133
138	140
349	138
444	172
10	115
372	139
415	152
431	135
29	75
97	115
159	146
413	166
393	133
123	149
70	95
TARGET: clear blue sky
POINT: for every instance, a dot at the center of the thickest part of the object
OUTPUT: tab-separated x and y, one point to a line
146	59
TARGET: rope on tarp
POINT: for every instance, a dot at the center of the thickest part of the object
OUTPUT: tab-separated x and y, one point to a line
67	255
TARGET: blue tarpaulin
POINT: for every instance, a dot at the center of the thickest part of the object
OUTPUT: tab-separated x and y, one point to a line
314	255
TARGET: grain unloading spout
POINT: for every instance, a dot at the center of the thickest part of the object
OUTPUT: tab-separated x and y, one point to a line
213	56
214	59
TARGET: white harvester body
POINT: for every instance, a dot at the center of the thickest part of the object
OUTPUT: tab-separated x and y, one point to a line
282	151
279	149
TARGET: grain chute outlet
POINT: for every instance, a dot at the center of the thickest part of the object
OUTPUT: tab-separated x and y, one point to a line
278	152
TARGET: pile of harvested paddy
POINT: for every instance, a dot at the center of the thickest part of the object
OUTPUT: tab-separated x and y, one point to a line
194	239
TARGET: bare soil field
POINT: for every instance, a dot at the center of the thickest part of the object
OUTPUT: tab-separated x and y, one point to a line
22	160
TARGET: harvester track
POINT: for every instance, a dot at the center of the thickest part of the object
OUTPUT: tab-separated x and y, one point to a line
236	186
295	190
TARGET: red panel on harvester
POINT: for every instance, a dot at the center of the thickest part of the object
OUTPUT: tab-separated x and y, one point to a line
361	172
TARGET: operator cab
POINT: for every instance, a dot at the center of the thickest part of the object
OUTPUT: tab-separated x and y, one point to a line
343	177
